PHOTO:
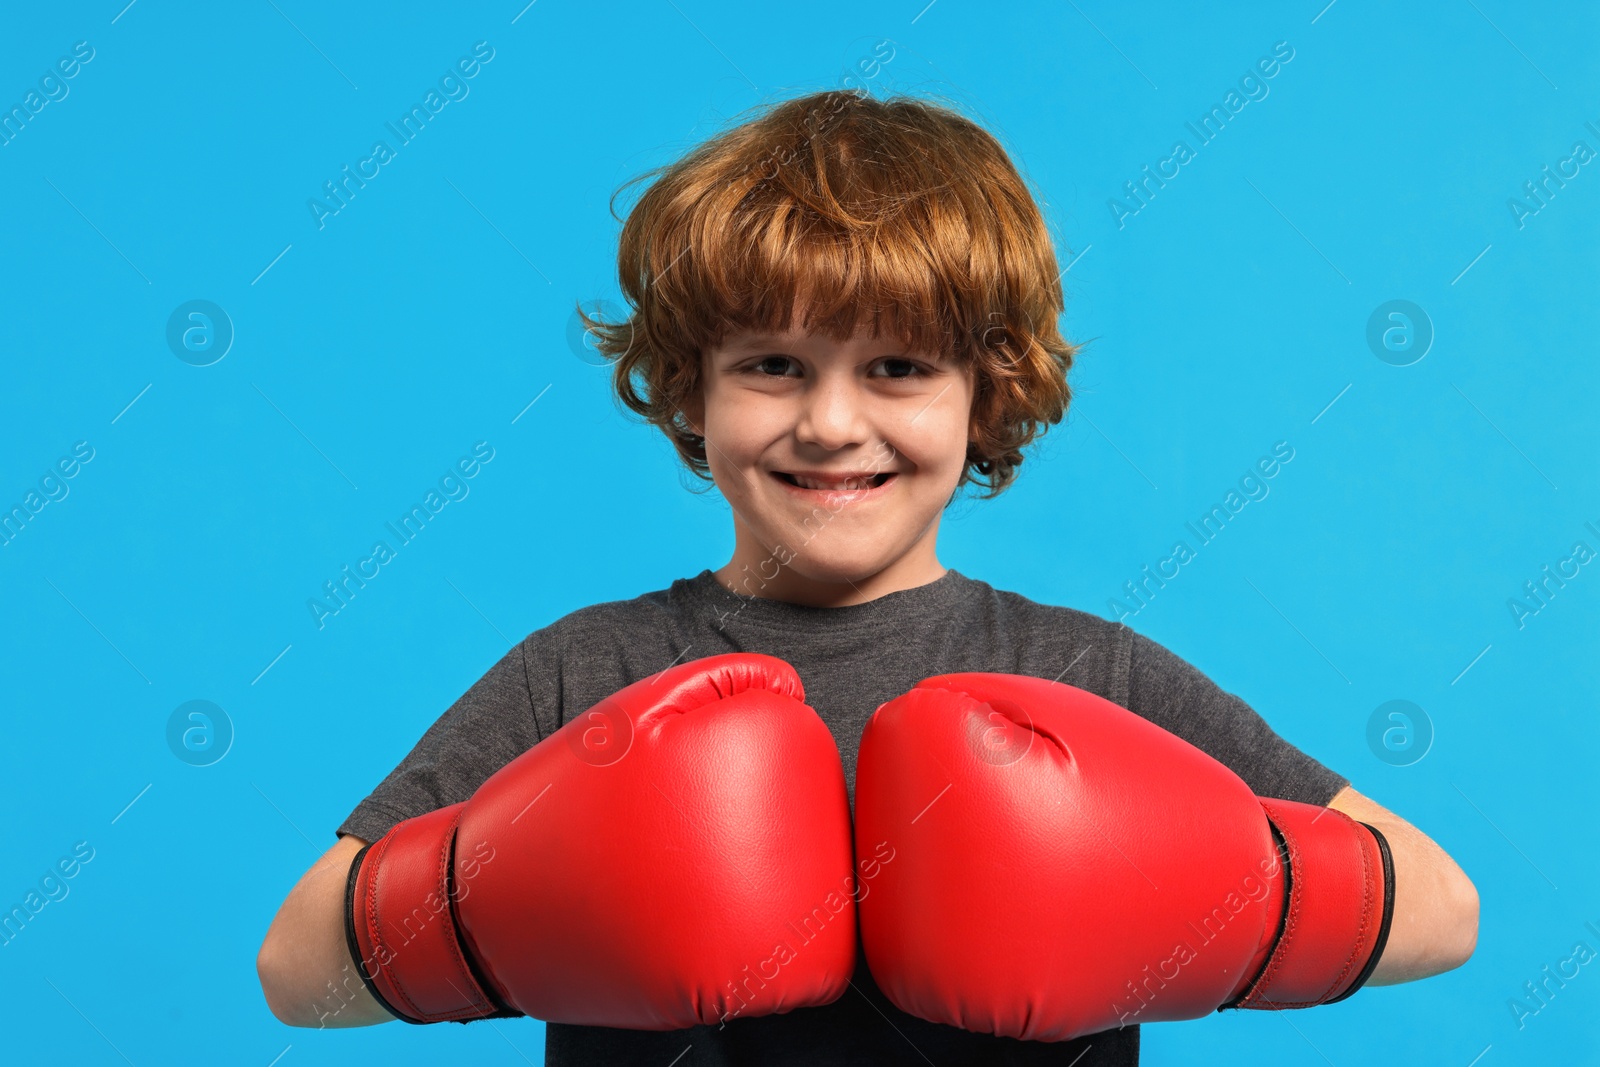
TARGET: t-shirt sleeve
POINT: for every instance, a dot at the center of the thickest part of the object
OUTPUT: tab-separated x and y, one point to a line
1179	698
506	712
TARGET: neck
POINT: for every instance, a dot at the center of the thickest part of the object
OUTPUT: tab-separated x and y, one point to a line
760	574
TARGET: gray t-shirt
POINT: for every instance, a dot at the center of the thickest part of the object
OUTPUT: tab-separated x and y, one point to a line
851	660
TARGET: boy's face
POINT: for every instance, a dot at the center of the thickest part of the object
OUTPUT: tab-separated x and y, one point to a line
780	410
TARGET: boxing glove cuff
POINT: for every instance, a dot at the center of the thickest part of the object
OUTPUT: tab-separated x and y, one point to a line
1339	900
400	923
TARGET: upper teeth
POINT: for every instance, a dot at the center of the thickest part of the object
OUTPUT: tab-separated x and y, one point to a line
853	482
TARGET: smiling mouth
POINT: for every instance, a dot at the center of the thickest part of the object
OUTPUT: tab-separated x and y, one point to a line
847	485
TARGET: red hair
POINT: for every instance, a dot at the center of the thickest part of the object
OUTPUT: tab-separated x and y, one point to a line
897	212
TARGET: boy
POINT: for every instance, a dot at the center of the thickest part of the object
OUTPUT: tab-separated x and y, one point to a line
844	311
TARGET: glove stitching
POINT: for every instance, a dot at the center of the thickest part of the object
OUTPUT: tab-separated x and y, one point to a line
1291	924
1366	914
376	928
1366	922
476	1007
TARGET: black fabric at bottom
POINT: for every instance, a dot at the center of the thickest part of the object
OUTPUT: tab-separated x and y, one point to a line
860	1029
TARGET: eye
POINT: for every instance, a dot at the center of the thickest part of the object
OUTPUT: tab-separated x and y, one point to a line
769	366
902	368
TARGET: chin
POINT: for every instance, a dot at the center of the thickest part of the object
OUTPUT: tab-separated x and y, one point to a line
838	568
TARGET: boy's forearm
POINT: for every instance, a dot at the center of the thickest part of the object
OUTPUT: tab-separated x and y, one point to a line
1435	923
304	965
343	1002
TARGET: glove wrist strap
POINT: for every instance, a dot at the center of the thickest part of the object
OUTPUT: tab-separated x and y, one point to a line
400	923
1339	903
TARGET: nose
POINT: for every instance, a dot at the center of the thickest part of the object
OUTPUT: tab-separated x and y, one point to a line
833	413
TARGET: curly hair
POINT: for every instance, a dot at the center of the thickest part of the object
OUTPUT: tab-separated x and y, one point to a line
895	211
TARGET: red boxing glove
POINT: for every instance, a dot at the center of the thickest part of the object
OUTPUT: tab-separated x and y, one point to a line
677	855
1065	867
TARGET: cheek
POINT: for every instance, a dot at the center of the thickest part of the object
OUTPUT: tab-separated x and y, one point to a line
937	439
747	424
738	444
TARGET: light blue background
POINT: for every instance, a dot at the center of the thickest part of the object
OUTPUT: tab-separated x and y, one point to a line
430	312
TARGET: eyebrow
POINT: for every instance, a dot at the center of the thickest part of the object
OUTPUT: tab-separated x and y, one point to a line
773	340
760	340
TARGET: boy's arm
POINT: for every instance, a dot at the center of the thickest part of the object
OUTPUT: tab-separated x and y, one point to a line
304	964
1435	923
